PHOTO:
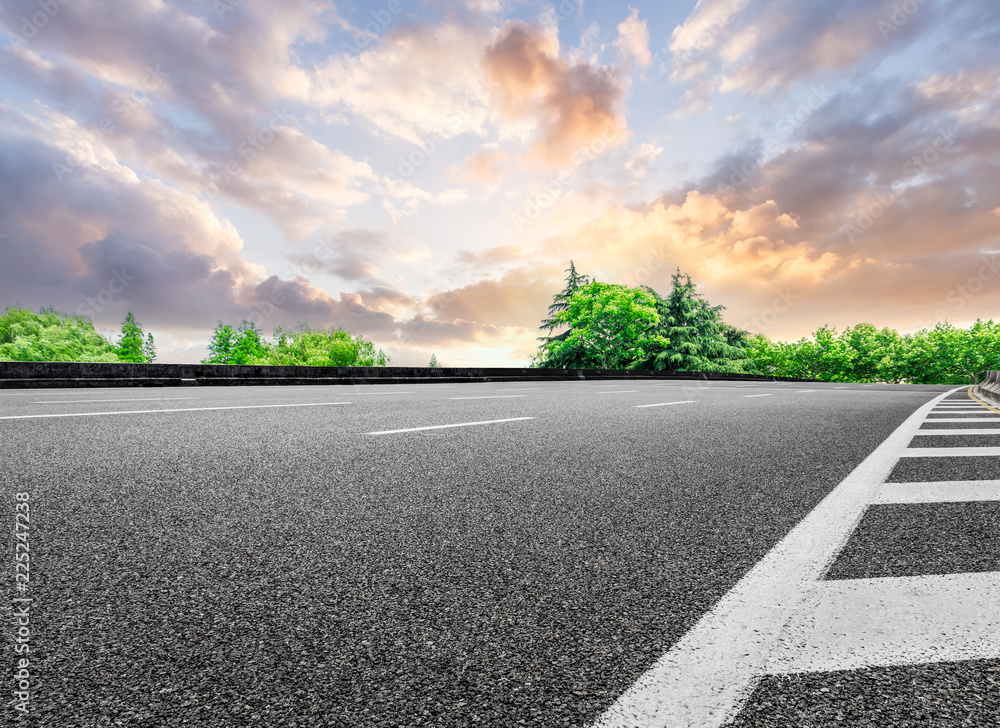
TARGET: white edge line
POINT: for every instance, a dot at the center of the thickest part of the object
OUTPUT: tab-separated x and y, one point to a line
704	679
158	411
442	427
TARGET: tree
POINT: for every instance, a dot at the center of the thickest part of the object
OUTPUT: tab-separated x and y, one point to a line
610	326
249	346
434	362
567	356
149	348
220	348
133	346
51	335
691	334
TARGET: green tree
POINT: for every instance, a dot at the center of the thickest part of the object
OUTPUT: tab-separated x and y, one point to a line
51	335
610	327
553	352
249	346
305	346
434	362
220	348
133	346
692	335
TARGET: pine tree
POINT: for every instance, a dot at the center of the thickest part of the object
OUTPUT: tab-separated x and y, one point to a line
434	362
699	341
551	355
131	346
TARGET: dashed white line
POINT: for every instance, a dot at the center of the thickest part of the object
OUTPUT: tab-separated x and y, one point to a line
849	624
492	396
443	427
994	418
664	404
624	391
160	411
970	431
941	491
804	391
88	401
758	395
948	452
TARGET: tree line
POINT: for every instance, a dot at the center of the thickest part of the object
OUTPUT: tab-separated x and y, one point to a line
51	335
610	326
301	346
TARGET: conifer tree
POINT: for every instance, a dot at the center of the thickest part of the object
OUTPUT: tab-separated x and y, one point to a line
553	355
699	341
132	346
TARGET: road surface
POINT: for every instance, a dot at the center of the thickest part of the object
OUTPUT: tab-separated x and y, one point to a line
608	553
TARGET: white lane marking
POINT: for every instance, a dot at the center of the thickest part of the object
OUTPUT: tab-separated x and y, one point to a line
87	401
518	389
970	431
624	391
707	675
942	491
443	427
948	452
493	396
356	394
159	411
803	391
664	404
844	387
849	624
757	395
994	418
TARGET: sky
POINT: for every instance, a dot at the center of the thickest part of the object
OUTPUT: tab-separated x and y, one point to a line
421	172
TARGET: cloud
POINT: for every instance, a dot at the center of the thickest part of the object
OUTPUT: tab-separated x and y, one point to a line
379	86
102	240
727	45
633	39
567	106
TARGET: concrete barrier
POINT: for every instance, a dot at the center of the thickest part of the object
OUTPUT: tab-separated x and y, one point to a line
989	389
24	374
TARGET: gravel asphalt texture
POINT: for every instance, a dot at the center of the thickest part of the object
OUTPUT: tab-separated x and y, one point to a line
280	567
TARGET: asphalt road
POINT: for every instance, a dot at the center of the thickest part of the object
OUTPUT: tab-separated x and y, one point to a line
259	558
